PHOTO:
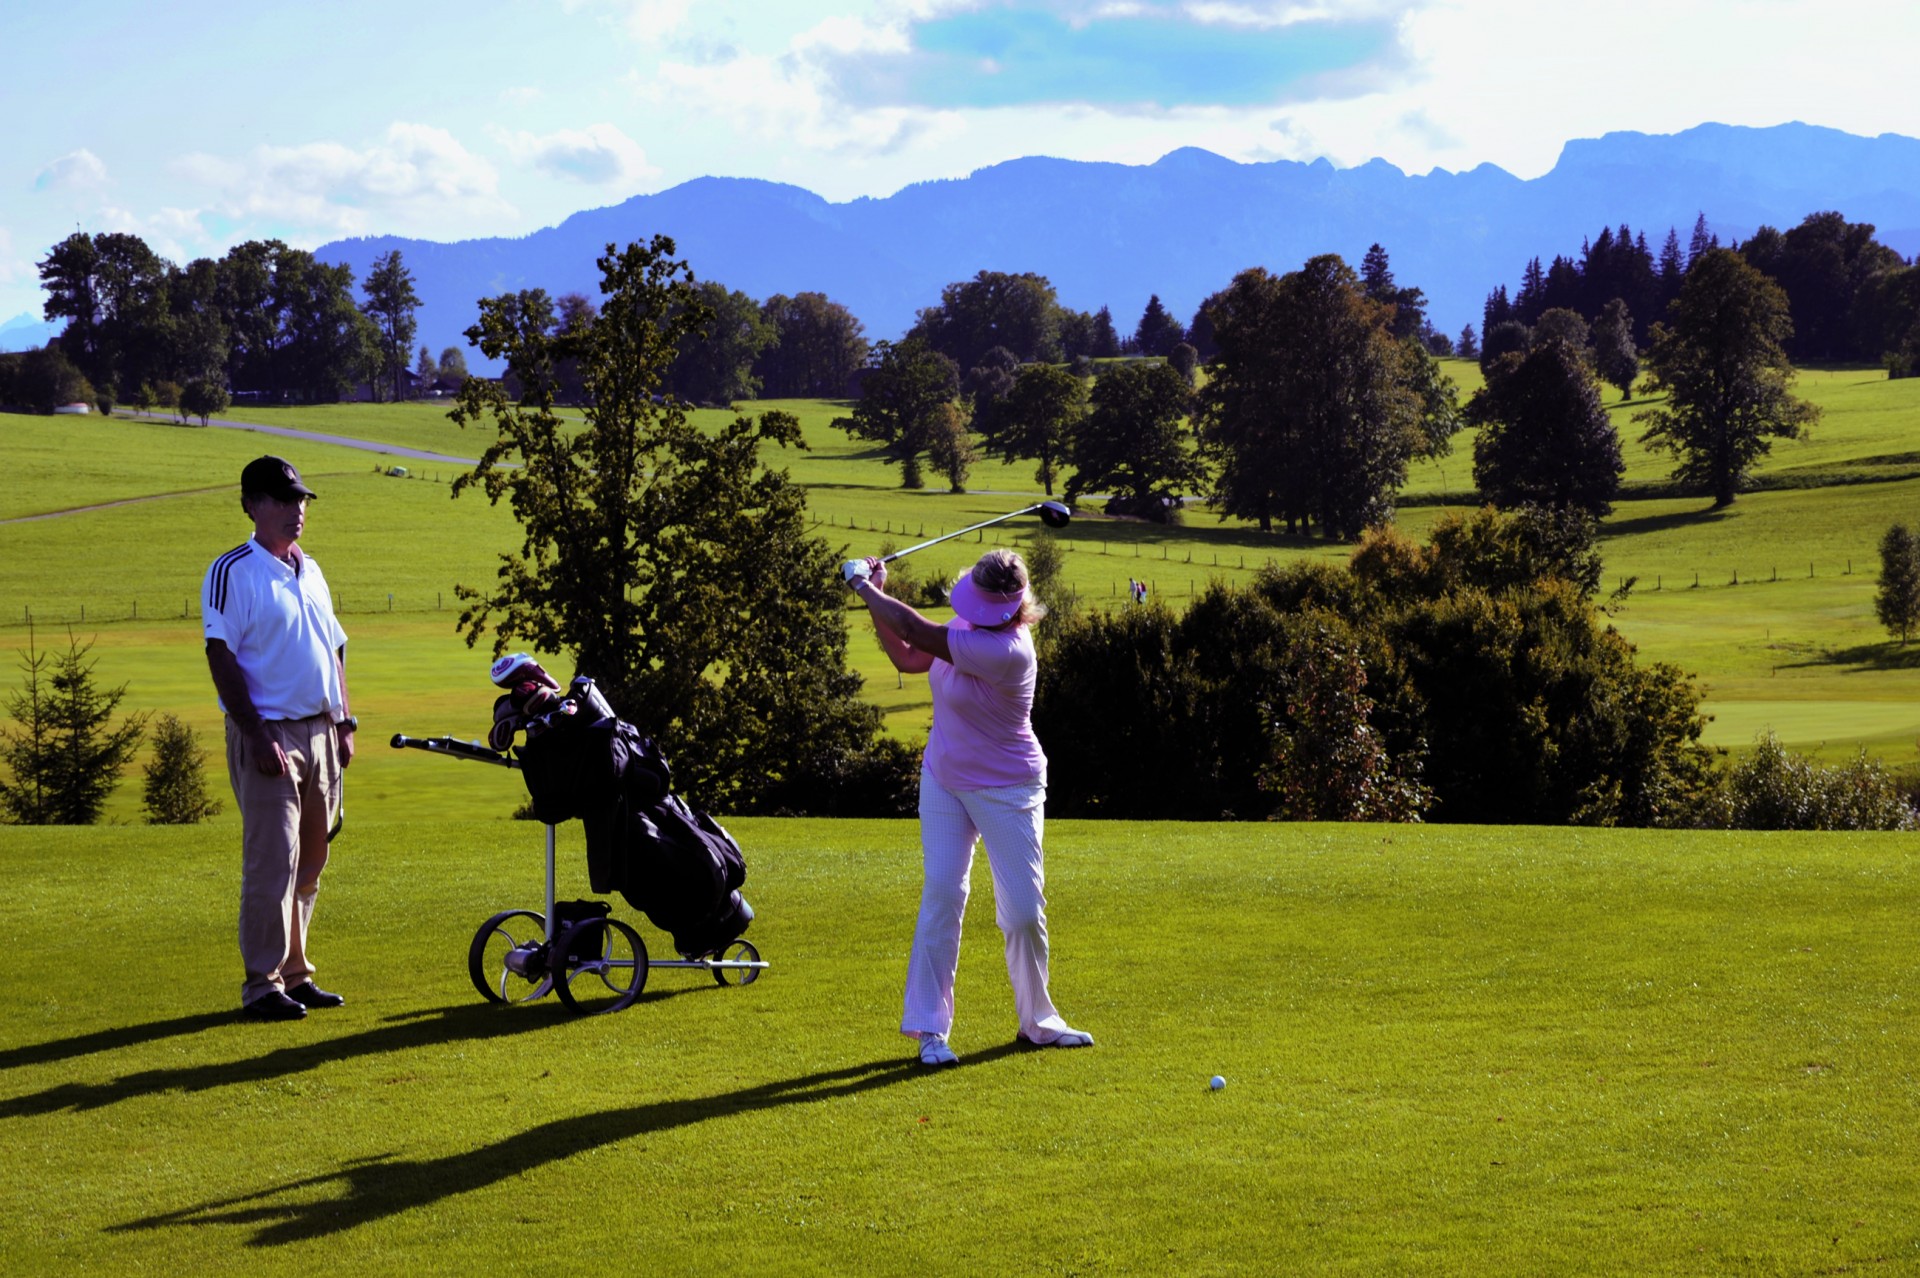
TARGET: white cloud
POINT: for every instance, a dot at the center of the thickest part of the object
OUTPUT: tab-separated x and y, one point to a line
789	97
80	170
416	178
521	95
648	21
1284	14
1510	81
600	154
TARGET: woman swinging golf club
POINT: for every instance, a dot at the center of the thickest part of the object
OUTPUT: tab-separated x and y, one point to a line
983	777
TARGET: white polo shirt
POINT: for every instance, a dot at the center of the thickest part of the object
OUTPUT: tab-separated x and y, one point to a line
278	622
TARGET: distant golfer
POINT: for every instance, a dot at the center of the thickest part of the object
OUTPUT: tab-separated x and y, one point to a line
278	657
983	777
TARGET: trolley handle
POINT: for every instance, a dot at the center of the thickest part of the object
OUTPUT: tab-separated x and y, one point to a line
459	749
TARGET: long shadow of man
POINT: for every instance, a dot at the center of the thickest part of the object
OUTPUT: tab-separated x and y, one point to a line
467	1022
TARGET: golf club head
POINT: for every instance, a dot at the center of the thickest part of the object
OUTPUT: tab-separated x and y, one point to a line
1054	514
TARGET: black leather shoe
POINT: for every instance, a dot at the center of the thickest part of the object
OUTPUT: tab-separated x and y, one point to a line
307	994
273	1007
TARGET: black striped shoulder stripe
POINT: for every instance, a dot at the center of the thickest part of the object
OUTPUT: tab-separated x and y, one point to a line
222	570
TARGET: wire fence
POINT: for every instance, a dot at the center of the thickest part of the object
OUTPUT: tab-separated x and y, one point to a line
1160	573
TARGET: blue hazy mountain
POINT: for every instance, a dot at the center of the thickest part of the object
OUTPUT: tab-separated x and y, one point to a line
25	331
1111	234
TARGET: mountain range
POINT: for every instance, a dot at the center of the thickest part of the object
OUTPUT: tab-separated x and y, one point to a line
1111	234
25	331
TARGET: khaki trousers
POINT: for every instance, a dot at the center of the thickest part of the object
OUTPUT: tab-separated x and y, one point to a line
283	847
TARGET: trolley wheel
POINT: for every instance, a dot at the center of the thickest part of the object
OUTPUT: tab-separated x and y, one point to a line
737	952
487	956
600	966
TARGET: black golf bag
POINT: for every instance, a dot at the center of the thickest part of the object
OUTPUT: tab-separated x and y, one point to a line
675	864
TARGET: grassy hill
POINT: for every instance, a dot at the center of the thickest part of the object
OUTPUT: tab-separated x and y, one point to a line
1793	645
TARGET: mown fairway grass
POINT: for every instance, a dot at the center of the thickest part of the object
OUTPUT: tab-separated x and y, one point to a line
1449	1050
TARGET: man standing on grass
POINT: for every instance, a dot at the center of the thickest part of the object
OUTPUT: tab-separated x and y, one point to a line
278	657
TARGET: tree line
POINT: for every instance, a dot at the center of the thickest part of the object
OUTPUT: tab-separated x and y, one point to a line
1320	389
1471	679
265	320
1851	299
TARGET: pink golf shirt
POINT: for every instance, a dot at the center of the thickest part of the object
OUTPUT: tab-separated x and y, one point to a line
982	734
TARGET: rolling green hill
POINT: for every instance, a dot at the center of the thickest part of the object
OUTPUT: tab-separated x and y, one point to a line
1793	645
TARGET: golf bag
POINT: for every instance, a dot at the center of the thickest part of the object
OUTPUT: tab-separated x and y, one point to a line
676	865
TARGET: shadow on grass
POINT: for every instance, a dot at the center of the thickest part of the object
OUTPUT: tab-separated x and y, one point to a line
1663	523
469	1022
1866	656
62	1049
384	1185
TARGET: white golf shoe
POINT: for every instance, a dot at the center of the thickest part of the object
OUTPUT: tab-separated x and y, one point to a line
1061	1038
935	1053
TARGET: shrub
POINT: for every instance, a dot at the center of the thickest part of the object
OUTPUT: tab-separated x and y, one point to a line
1474	653
176	789
1328	762
1776	789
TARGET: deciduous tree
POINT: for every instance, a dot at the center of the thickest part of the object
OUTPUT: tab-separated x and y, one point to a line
1135	444
671	561
905	385
994	308
819	346
1313	409
1038	419
1615	357
715	362
1721	361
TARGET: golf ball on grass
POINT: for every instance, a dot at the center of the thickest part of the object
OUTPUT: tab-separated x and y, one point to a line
1216	1082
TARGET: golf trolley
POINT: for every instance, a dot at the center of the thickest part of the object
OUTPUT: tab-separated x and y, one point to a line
595	963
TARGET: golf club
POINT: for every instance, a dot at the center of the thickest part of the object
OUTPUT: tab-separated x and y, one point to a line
1052	513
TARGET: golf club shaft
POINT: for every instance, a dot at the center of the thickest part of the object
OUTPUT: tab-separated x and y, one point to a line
460	749
961	532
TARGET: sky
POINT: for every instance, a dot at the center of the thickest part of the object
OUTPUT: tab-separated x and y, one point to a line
198	125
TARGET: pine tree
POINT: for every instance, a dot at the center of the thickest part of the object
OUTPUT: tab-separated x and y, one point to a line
1545	439
1897	602
1468	347
64	759
176	789
1158	332
1702	243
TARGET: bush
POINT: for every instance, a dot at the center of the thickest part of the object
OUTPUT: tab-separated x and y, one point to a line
176	789
1776	789
1328	762
1474	653
47	379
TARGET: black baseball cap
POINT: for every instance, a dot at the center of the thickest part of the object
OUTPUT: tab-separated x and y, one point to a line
273	477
